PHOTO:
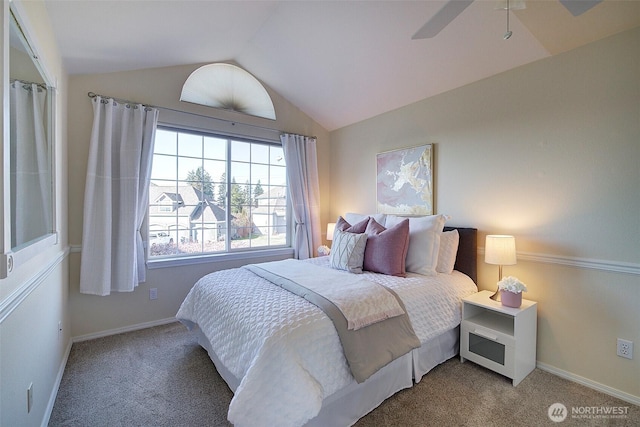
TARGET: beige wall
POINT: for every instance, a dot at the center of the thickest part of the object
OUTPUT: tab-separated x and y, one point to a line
34	298
547	152
91	315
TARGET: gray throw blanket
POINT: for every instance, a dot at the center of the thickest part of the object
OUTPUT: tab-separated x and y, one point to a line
366	349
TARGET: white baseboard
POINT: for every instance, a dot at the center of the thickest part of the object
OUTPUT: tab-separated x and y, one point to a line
589	383
56	386
130	328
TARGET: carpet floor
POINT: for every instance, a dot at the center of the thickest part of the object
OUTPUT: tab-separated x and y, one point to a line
161	377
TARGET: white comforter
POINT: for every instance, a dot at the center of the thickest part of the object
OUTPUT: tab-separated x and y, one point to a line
286	350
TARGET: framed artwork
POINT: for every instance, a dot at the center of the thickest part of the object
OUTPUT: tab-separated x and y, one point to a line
405	181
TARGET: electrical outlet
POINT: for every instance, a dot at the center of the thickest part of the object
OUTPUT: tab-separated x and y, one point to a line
153	293
625	348
59	329
29	397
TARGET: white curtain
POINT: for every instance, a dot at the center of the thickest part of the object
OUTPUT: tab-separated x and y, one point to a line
304	189
30	165
115	199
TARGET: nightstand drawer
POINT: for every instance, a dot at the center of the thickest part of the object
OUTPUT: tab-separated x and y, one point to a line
487	348
488	333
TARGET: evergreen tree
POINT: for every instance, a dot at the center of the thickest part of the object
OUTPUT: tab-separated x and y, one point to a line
221	200
237	197
201	180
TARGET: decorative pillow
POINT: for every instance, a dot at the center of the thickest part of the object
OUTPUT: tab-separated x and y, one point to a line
358	228
353	218
374	227
449	241
386	250
424	242
347	251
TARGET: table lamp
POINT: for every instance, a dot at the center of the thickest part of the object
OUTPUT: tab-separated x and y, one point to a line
499	250
330	228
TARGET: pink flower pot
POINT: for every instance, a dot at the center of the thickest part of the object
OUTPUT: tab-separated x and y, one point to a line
510	299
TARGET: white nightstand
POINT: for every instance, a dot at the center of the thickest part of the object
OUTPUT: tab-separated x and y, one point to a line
500	338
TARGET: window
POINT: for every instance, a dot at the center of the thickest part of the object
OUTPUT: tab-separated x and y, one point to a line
214	194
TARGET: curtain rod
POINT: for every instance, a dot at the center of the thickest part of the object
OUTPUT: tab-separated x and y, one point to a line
233	122
41	85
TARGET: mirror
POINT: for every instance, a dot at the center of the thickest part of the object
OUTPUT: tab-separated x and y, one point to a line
31	191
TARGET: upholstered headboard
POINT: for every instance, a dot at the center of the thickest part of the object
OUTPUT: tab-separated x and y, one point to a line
467	258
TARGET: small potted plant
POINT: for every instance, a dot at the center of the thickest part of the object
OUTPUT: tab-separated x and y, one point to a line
324	250
511	291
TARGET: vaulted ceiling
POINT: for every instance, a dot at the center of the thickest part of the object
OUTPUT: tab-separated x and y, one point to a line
339	61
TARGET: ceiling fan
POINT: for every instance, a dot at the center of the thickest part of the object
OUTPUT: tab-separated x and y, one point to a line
453	8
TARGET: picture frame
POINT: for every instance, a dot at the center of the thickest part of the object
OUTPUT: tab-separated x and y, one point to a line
404	181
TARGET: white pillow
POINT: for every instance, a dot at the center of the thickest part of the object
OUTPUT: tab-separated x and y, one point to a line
347	251
449	241
354	218
424	242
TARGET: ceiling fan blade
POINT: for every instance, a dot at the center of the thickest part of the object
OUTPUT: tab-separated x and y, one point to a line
578	7
448	13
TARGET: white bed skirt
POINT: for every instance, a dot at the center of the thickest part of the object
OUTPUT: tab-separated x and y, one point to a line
346	406
434	352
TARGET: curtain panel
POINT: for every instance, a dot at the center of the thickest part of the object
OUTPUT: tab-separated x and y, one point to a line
304	190
116	193
30	166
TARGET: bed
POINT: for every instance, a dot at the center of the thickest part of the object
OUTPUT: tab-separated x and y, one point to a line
281	355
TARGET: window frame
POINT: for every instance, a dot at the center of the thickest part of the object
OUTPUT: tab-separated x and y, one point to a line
177	121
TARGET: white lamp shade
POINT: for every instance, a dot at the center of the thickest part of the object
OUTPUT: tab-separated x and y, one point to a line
500	249
330	228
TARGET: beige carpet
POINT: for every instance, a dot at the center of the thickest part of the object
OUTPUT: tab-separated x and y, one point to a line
161	377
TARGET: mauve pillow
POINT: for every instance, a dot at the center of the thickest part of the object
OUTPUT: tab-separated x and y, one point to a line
354	218
358	228
386	249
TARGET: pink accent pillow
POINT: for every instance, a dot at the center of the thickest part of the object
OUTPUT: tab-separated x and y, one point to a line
358	228
386	249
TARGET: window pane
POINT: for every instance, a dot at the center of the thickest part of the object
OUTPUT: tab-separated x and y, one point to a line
240	151
215	148
278	175
188	167
220	194
191	193
259	153
260	173
164	167
165	142
277	156
189	198
240	172
190	145
216	169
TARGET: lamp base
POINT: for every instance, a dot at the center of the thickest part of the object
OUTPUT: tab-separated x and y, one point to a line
496	296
